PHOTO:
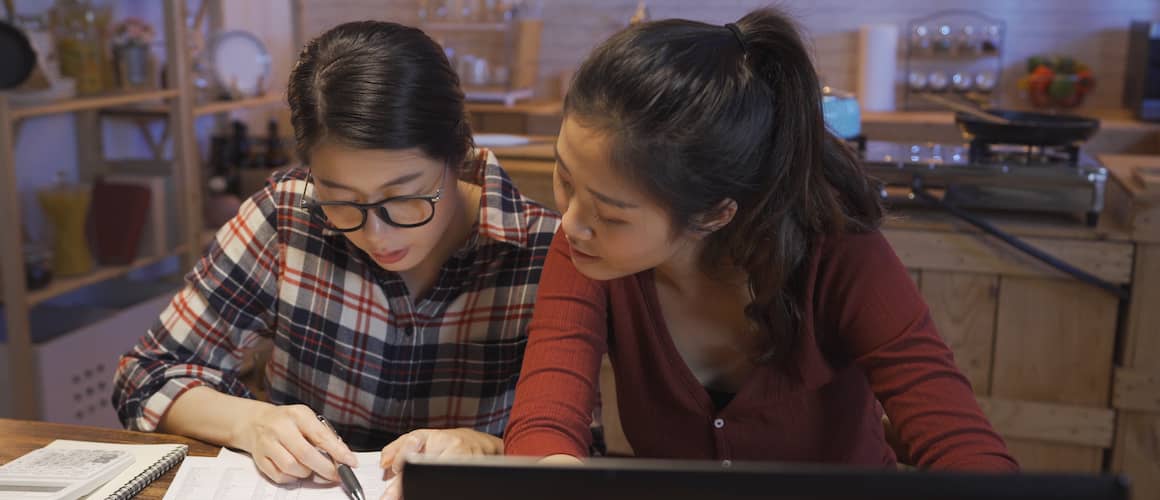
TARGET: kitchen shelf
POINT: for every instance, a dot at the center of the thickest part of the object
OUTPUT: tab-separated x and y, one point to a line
63	285
462	27
154	111
225	106
90	103
178	108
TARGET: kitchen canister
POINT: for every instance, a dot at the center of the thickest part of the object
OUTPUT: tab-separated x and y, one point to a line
877	66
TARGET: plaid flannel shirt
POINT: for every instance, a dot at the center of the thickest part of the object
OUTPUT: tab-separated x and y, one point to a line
347	340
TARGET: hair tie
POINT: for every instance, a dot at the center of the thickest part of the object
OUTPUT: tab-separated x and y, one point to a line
740	38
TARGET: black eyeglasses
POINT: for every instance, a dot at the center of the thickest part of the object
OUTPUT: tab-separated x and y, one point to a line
398	211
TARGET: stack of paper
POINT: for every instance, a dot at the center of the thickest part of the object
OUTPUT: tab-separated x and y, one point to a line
233	476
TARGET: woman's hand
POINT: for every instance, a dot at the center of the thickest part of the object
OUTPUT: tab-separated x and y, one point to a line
561	460
439	443
285	441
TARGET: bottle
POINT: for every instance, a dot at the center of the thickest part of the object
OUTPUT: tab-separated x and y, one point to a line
239	151
275	155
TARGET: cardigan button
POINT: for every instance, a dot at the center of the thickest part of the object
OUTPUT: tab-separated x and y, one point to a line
719	423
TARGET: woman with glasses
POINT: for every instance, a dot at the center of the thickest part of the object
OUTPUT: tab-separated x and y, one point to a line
392	277
722	247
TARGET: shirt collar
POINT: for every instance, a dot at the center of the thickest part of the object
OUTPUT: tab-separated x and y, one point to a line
503	212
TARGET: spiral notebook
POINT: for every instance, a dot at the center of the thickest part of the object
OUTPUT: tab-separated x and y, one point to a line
150	461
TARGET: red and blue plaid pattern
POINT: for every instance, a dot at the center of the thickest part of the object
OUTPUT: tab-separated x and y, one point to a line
347	339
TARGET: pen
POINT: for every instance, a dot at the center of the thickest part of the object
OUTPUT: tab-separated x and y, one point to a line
346	477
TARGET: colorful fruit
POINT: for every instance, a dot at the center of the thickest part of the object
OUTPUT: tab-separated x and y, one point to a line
1062	87
1034	62
1056	81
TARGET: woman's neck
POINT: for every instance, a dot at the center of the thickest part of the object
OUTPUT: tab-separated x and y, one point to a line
465	200
684	272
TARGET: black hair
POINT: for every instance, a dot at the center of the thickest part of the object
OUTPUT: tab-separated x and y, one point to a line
698	114
378	85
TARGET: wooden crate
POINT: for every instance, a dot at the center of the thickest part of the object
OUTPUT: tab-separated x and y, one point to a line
1136	391
1038	348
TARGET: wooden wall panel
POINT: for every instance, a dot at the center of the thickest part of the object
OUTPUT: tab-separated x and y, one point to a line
1053	342
963	308
1052	423
1039	456
1142	340
1137	452
962	252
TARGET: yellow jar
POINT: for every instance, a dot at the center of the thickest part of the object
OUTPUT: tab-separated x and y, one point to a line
67	208
82	44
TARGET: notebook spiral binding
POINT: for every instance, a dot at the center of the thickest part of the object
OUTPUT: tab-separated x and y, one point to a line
158	469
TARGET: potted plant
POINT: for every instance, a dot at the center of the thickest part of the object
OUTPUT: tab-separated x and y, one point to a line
132	39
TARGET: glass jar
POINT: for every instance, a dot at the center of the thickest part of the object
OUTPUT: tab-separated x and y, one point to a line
81	31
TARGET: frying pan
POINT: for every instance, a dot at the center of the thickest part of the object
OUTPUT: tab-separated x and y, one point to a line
1036	129
17	59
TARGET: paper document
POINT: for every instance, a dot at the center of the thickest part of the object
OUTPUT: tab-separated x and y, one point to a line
233	476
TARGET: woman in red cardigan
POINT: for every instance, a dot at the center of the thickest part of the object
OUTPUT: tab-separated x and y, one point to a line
722	247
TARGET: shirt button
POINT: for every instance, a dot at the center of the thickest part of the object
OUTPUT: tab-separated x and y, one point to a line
726	463
719	423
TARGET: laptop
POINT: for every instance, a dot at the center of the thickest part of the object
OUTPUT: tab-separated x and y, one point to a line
514	478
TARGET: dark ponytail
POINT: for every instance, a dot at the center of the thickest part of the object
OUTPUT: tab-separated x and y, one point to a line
698	114
378	85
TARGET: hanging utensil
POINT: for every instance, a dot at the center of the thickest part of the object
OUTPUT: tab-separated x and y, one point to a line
17	54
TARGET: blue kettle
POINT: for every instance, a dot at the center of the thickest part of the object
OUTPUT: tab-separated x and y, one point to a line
841	112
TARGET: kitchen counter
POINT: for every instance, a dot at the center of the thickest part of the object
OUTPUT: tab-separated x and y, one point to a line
1062	368
1119	132
1110	119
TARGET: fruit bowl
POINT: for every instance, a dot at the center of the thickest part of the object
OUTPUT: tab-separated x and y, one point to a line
1056	83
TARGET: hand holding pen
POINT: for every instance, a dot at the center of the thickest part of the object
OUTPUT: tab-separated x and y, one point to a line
289	443
346	477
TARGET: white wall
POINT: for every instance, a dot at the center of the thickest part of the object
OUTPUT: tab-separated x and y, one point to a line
1092	30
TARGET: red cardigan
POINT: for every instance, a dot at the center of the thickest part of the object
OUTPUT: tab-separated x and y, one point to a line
877	343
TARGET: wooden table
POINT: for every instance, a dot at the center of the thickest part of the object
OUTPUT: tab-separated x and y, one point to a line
18	437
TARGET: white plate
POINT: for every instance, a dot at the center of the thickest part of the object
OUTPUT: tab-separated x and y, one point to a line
240	62
500	140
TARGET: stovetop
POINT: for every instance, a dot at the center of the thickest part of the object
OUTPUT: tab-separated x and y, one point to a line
1010	165
993	176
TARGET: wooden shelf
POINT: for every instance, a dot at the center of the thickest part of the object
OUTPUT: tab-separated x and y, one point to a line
530	108
61	286
465	26
87	103
199	110
225	106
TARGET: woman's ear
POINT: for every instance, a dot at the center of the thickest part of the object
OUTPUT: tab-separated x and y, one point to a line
715	218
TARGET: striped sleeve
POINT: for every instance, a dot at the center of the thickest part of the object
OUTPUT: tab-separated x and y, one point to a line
228	303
